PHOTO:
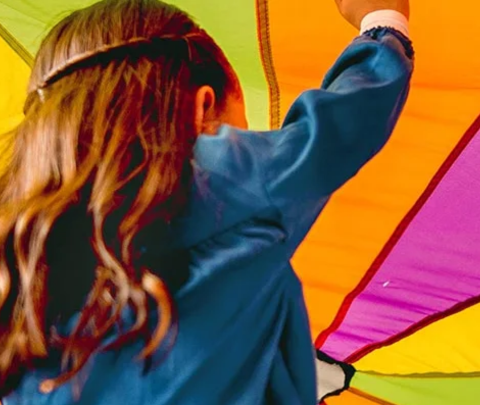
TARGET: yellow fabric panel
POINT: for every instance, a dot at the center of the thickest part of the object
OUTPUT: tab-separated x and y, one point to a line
443	103
446	346
14	74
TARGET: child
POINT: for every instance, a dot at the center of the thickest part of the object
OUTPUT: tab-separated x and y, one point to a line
139	216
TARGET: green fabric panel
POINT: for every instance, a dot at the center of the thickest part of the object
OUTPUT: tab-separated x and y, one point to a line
448	389
29	20
232	23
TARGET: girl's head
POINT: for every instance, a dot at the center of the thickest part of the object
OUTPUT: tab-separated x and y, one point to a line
118	94
138	41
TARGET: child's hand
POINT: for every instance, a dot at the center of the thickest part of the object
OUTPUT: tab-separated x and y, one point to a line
355	10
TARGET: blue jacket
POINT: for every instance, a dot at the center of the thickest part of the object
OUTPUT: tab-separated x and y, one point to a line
244	336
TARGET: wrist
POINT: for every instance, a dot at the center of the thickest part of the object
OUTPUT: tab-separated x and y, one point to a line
385	18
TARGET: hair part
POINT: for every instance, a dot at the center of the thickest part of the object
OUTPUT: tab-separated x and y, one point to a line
107	145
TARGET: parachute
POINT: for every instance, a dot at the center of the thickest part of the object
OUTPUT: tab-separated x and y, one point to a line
391	270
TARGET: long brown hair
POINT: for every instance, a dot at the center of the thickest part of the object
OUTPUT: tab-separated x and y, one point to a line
106	143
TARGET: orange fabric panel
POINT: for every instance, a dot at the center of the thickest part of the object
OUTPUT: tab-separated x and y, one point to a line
349	398
306	39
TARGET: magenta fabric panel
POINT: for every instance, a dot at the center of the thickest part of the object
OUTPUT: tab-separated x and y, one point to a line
434	266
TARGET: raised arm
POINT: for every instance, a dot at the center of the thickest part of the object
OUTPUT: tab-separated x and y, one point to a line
331	132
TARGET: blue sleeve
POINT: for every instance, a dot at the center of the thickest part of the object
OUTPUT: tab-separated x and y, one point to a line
331	132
